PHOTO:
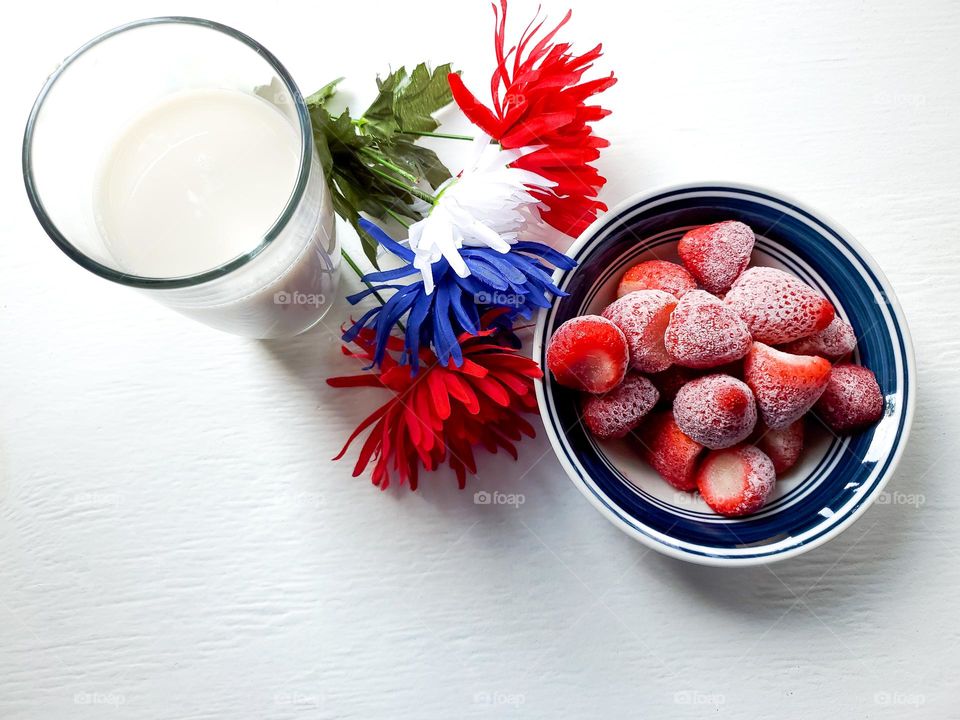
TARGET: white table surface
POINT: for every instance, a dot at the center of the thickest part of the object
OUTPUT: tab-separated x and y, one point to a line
175	542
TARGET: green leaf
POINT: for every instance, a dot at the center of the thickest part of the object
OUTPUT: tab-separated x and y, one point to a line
406	103
420	97
320	97
381	118
422	162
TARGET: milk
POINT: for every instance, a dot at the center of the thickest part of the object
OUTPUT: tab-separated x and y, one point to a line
196	181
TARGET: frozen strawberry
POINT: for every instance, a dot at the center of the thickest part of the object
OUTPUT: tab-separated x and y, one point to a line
704	333
669	451
643	316
657	275
718	411
716	254
852	399
736	481
778	307
588	353
619	411
784	385
668	382
783	446
833	342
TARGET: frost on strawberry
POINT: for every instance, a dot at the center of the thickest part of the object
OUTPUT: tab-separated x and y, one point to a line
785	386
736	481
852	399
588	353
643	316
716	254
619	411
704	333
778	307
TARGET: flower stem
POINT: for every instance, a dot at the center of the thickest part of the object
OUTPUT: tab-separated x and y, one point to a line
396	216
416	192
447	136
383	160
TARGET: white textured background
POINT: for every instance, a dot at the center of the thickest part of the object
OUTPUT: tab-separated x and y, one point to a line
175	543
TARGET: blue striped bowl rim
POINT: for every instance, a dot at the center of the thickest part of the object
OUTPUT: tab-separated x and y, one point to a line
852	470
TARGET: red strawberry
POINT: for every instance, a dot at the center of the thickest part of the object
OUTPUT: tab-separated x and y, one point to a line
643	316
703	332
736	481
657	275
833	342
588	353
716	254
852	399
717	411
670	452
619	411
783	446
777	306
785	385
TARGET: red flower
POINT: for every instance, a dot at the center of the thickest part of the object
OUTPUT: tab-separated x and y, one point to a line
440	414
539	100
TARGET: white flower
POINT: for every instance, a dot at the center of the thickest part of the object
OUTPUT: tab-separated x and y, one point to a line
488	204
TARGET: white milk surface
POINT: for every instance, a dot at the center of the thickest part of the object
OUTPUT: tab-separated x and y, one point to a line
195	181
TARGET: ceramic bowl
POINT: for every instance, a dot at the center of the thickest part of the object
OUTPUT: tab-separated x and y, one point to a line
837	477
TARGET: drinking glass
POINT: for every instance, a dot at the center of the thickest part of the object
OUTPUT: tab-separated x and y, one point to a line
280	286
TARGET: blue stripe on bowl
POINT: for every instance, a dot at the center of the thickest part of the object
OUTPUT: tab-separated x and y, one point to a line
851	472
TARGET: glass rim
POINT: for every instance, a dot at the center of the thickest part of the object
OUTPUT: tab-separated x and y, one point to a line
142	281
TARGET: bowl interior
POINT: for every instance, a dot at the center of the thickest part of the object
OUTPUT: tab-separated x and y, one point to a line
837	476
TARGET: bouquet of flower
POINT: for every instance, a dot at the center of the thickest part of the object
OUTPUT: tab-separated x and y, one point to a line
441	340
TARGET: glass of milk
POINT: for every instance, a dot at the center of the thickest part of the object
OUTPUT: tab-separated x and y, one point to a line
175	155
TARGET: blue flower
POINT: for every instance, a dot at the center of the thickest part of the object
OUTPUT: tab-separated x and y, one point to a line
518	281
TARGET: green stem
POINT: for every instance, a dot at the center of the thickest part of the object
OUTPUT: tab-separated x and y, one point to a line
383	160
356	268
416	192
396	216
447	136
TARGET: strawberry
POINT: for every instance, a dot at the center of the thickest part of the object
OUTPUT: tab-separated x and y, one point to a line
619	411
778	307
669	451
833	342
852	399
588	353
784	385
643	316
704	333
736	481
717	411
716	254
783	446
657	275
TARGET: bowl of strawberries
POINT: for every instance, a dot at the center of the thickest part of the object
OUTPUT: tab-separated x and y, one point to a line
729	378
